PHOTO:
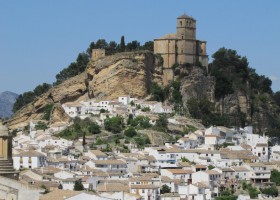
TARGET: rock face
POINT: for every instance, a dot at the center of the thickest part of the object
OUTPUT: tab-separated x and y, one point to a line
233	103
7	100
58	115
125	73
107	78
196	84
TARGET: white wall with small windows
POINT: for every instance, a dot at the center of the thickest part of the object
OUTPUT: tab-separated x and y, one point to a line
28	161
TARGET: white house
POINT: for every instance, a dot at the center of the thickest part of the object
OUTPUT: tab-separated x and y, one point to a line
187	143
212	131
147	192
261	150
109	165
184	175
154	106
97	155
64	175
29	159
199	191
241	173
210	177
125	99
72	109
258	172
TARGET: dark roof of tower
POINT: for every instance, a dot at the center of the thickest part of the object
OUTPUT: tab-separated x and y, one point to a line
184	16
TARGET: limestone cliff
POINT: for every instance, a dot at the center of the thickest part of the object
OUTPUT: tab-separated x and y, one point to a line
124	73
196	84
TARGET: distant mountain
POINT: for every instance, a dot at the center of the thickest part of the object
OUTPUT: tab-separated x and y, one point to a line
7	100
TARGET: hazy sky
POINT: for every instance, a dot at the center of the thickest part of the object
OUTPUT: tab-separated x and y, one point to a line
39	38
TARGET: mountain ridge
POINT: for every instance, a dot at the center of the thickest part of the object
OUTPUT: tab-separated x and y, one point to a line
7	100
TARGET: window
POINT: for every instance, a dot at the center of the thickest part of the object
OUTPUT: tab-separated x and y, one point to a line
182	37
181	23
143	191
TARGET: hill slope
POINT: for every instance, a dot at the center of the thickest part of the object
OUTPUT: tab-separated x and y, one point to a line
123	73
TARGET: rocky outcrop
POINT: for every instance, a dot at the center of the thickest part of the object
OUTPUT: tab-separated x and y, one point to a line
195	84
126	73
234	103
58	115
107	78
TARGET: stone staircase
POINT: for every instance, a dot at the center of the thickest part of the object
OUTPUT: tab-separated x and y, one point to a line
6	166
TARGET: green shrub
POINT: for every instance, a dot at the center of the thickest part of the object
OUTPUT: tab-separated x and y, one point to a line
130	132
114	124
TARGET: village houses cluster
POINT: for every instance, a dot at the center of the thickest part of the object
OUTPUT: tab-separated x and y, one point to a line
123	106
197	166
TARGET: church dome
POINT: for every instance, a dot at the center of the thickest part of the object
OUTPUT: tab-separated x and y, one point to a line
3	130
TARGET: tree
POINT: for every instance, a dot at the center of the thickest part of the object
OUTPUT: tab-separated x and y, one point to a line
47	111
74	68
133	45
161	123
89	49
45	188
142	140
146	109
165	189
130	132
184	159
158	93
140	121
41	89
276	97
230	70
41	126
112	48
275	177
114	124
149	46
211	167
23	99
271	191
60	187
78	186
101	44
94	128
122	44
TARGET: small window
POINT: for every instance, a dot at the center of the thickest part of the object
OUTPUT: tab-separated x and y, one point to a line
182	37
181	23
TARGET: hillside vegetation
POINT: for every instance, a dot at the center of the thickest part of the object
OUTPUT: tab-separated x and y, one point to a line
230	94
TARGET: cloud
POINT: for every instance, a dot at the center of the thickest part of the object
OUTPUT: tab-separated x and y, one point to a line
273	78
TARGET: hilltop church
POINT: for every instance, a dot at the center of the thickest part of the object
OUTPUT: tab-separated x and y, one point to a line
181	47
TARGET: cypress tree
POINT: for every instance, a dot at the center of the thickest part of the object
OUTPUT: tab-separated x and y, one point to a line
122	44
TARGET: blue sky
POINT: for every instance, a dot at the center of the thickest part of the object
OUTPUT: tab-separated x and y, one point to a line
39	38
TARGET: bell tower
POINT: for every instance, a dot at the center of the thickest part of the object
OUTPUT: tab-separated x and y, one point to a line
6	159
186	27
